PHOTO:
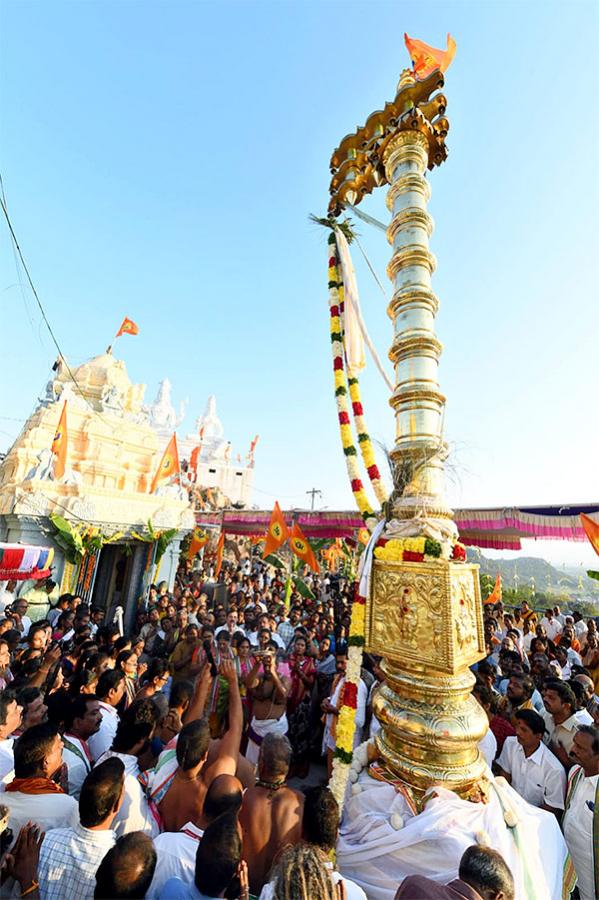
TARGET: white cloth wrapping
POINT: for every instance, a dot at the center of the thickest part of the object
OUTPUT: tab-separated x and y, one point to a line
378	857
262	727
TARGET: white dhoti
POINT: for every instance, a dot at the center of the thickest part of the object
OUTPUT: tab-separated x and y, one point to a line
259	728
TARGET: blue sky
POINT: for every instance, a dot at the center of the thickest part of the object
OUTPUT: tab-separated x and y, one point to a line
160	160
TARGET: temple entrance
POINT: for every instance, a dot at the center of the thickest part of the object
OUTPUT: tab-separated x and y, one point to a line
113	578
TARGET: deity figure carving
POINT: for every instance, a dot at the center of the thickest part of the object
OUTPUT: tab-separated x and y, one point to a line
112	399
161	413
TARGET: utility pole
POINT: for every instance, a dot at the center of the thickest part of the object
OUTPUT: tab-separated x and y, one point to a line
313	494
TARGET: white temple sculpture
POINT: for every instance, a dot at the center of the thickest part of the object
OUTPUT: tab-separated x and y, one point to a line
207	453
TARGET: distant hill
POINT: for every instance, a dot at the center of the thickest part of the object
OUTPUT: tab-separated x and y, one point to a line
518	572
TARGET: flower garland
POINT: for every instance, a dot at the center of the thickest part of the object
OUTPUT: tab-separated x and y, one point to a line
365	442
346	720
347	440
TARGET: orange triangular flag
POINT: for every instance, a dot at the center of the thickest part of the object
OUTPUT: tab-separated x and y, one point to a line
199	539
277	532
300	546
169	465
59	444
591	529
495	595
128	326
426	59
219	554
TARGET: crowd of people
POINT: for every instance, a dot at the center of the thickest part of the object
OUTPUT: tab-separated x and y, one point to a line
538	686
158	764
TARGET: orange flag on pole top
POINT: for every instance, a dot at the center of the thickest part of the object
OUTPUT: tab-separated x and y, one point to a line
495	595
277	532
128	326
169	464
426	59
220	547
591	529
59	444
300	546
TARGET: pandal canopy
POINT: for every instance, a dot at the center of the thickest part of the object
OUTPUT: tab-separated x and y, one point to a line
492	528
22	562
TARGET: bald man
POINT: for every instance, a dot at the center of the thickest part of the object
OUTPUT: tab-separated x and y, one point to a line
177	851
271	813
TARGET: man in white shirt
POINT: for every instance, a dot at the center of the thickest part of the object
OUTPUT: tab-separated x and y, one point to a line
110	690
11	715
580	626
562	721
529	766
82	720
552	626
33	795
582	810
69	857
331	708
133	736
176	851
22	620
320	828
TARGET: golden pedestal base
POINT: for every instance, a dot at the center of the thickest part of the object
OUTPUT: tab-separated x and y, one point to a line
425	619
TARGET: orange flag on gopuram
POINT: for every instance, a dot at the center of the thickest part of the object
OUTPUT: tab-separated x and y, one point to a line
495	595
426	59
128	326
59	444
169	464
277	532
220	547
591	529
300	546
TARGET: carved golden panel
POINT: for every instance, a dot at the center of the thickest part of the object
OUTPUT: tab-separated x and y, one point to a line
427	614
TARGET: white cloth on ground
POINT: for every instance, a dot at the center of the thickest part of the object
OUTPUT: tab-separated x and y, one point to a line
378	857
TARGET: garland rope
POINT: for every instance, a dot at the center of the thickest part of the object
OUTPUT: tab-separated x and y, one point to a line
341	392
364	440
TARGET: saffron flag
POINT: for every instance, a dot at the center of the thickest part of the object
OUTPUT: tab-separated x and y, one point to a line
199	539
495	595
591	529
128	326
277	532
220	547
426	59
169	464
59	444
300	546
193	462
